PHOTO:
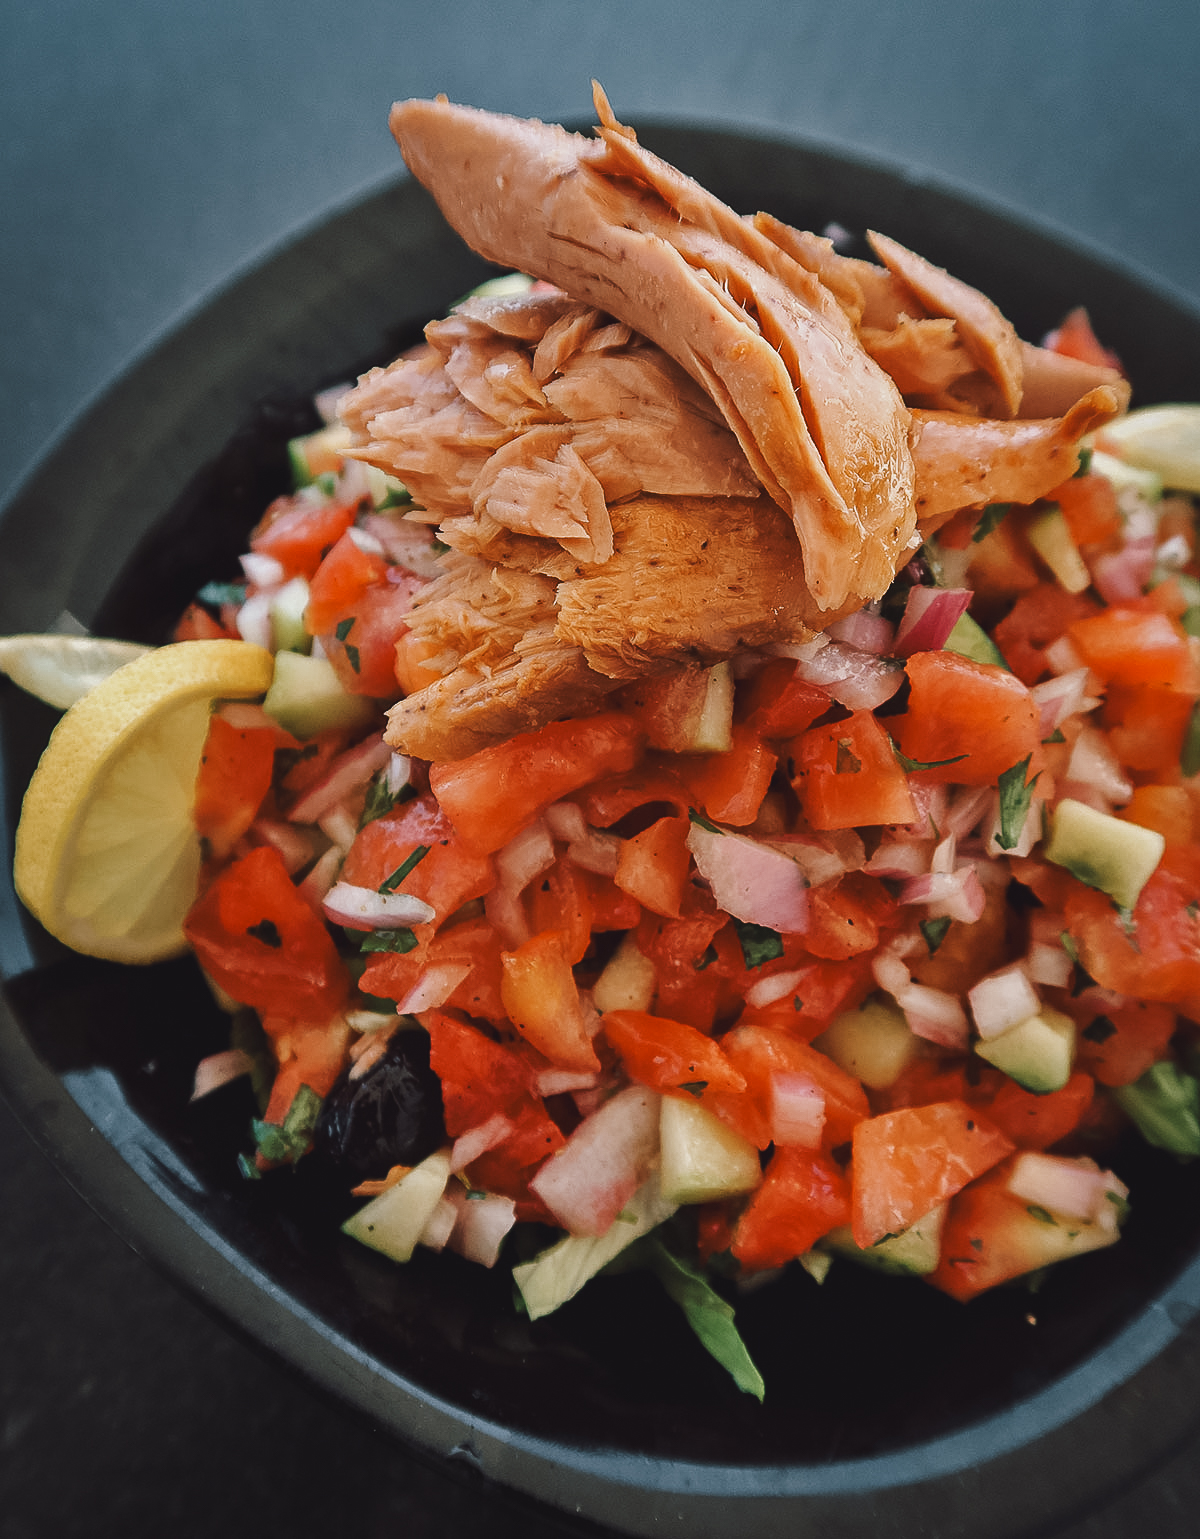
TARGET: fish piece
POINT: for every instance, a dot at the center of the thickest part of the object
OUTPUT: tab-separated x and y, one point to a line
1053	382
570	211
966	462
987	334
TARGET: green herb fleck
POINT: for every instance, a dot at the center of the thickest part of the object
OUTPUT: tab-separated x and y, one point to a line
707	960
1016	798
380	800
279	1143
1099	1030
327	481
214	594
702	822
695	1087
413	859
1055	737
438	547
1192	909
1042	1216
267	931
1165	1106
993	515
248	1169
400	940
911	766
759	943
344	627
1085	460
934	931
1189	758
352	657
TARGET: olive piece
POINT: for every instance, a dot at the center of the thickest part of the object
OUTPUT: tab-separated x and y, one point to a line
392	1115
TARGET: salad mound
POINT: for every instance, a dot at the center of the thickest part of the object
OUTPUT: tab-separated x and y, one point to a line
635	863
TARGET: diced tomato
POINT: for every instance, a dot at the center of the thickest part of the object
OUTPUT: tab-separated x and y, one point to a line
847	776
339	583
757	1052
1147	724
653	866
1002	564
612	797
802	1197
1075	338
714	1229
612	909
232	782
1169	810
393	975
260	941
971	720
196	624
730	786
1118	1042
508	1168
542	1000
1040	615
561	899
299	531
670	1056
361	643
776	702
479	1075
822	991
690	988
906	1162
309	762
446	876
1089	507
968	951
845	916
308	1055
1041	1121
1154	954
494	793
1137	646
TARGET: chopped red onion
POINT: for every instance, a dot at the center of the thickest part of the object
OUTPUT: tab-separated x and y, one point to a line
1059	698
433	987
890	972
362	908
772	988
1094	763
858	680
1048	965
295	845
930	614
404	543
347	774
439	1226
220	1069
966	810
322	877
950	895
478	1140
1001	1001
1121	576
587	1182
254	621
865	630
899	860
751	881
555	1081
796	1108
525	856
934	1015
484	1218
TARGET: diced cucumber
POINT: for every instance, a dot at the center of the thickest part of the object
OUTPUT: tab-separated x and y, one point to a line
969	639
1050	537
1125	477
287	617
1165	1105
1039	1053
393	1222
1102	851
915	1252
628	980
557	1275
701	1157
714	729
306	697
317	454
874	1043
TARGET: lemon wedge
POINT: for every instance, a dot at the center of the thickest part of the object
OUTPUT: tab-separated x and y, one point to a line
62	669
1164	439
107	857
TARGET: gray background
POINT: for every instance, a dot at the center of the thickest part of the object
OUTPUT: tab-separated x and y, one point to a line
150	151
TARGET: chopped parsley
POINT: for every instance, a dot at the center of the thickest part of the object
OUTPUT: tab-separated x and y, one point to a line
400	940
389	884
344	627
934	931
1016	798
759	943
993	515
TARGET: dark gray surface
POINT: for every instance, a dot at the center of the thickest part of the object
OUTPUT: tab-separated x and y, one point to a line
148	152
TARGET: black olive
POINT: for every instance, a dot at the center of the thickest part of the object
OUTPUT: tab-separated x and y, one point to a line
391	1115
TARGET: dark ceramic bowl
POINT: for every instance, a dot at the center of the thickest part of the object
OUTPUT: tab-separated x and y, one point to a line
890	1410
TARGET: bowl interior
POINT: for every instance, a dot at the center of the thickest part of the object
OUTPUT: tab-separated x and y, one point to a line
182	457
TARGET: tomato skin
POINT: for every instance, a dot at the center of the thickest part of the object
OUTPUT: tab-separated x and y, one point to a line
446	877
339	583
361	642
299	532
257	937
393	975
1119	1042
1089	507
1158	958
906	1162
802	1197
653	866
1039	616
845	917
232	783
542	1000
974	714
1147	724
730	786
668	1056
1041	1121
479	1075
847	776
561	900
757	1052
1136	646
493	794
777	703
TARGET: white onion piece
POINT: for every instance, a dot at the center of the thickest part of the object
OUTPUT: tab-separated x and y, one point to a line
934	1015
478	1140
340	826
949	895
1094	763
484	1218
399	773
506	914
262	570
819	863
1059	698
898	861
796	1108
254	621
1031	828
434	987
555	1081
588	848
587	1182
367	543
295	845
753	882
771	989
1062	656
930	803
1048	965
890	972
362	908
349	772
322	877
439	1226
525	856
965	811
220	1069
930	614
858	680
1070	1188
945	856
865	630
1002	1000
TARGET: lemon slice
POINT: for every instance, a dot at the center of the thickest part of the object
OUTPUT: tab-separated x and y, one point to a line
1165	439
62	669
107	857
